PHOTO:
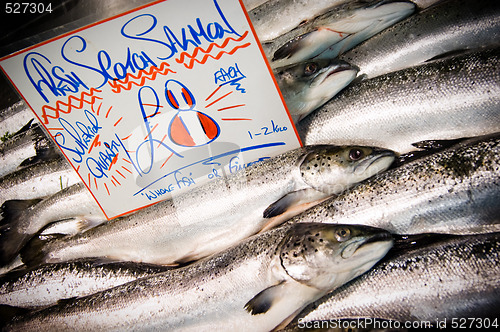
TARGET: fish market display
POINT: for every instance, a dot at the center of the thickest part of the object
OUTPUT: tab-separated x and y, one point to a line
445	280
446	99
308	85
455	191
446	27
47	284
38	180
255	285
334	32
28	145
23	219
398	105
214	216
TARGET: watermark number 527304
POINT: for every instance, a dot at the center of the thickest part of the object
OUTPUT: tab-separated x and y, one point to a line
27	7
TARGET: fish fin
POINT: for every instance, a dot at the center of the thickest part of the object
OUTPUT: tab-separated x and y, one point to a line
12	208
11	238
8	312
63	302
291	199
84	224
290	47
42	155
436	144
281	205
263	301
291	212
448	54
71	226
26	127
33	253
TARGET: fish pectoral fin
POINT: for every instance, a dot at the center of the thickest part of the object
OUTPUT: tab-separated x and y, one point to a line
280	206
436	144
290	47
63	302
307	201
262	302
294	198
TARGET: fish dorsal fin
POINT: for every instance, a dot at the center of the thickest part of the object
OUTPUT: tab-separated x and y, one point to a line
262	302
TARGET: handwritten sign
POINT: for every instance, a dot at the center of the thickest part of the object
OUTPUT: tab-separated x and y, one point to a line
157	100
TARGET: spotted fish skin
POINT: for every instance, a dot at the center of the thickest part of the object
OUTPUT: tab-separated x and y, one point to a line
214	216
28	146
252	286
449	279
455	191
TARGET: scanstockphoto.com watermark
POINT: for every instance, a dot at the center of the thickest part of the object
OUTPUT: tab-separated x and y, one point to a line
373	323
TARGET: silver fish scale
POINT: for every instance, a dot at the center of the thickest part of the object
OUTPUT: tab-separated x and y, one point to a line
38	180
252	286
47	284
455	191
194	218
244	268
446	99
217	214
445	27
445	280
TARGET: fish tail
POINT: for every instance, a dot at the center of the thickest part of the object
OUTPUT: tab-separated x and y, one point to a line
12	238
34	252
45	150
7	313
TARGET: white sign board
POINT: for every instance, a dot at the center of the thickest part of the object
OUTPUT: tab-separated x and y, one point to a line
157	100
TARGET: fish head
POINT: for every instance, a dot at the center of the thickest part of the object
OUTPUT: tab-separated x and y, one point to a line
338	30
306	86
334	169
325	256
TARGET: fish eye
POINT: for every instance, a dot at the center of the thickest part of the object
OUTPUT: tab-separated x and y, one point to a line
342	234
356	154
311	68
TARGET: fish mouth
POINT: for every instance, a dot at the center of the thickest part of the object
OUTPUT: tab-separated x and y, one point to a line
331	71
355	247
379	237
374	158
